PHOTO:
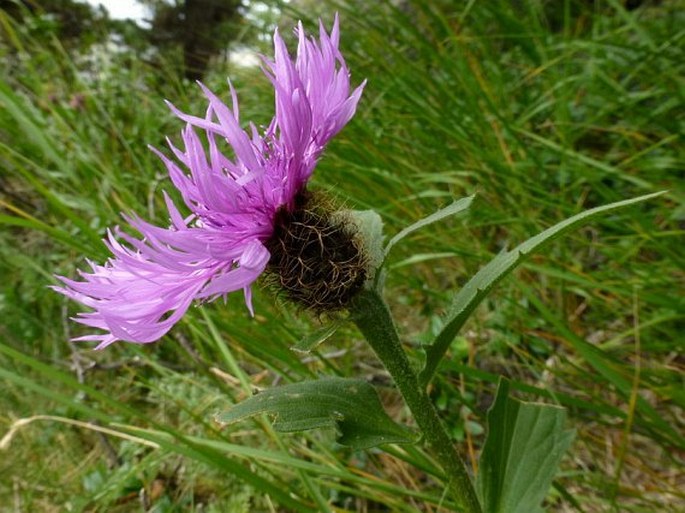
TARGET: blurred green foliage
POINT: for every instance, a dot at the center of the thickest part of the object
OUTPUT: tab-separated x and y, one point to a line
187	33
542	109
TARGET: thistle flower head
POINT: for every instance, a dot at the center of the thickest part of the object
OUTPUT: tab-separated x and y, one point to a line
242	207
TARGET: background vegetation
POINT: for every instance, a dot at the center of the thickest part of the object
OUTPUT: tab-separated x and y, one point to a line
541	108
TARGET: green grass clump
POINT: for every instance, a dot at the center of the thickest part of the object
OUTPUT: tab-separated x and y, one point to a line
542	109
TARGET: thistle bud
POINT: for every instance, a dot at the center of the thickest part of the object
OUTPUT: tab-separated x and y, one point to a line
319	256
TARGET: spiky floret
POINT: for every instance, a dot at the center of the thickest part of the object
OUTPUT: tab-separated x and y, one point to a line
151	280
317	260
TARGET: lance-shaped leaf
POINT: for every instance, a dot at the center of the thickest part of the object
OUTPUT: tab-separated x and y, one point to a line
453	209
349	405
478	287
521	455
316	338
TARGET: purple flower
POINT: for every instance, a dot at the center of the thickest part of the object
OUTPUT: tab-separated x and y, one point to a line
149	283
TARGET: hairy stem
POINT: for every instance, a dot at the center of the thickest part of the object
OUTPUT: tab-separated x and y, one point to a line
372	316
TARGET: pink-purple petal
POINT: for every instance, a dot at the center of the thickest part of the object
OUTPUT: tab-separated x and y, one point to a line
219	246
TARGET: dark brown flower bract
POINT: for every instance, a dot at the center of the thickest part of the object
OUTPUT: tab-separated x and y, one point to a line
316	260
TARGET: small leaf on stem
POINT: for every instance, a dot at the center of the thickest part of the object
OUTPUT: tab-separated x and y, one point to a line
310	342
453	209
349	405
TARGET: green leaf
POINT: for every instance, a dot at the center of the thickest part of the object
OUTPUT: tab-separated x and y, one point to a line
310	342
521	455
455	208
370	229
422	257
349	405
478	287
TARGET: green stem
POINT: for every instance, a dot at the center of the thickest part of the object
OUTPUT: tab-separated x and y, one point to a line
373	318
